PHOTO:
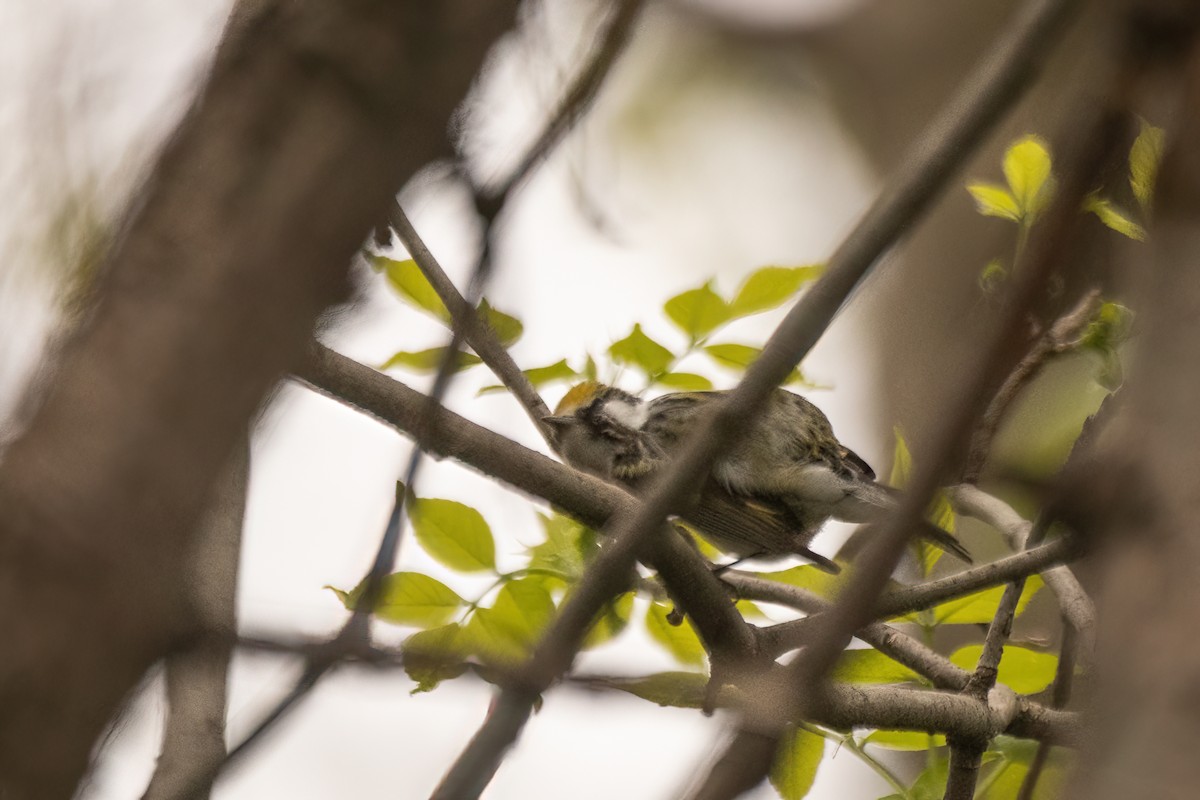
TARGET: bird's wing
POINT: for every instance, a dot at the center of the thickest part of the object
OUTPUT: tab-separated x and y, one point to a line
752	526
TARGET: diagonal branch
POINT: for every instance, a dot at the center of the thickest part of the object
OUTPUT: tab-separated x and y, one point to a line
962	126
687	575
748	758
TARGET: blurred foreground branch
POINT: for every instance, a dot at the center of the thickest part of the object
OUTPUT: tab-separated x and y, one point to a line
311	113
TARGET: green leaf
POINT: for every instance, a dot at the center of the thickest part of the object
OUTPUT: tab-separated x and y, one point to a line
434	655
796	762
538	376
901	460
1144	159
558	371
1004	780
589	368
1114	218
931	784
771	287
611	621
567	547
905	740
1027	169
1104	335
671	689
940	513
508	329
737	356
1022	670
641	351
424	361
409	598
453	533
806	576
994	201
685	382
680	641
871	666
979	608
749	610
698	312
411	284
506	632
1109	328
993	276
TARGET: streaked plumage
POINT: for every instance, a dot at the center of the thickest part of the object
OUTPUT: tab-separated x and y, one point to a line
784	477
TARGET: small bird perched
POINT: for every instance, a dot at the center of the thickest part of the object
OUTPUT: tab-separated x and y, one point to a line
767	497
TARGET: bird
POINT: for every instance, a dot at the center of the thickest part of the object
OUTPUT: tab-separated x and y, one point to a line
782	478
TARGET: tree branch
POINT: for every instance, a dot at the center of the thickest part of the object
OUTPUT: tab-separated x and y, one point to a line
786	636
444	434
897	645
966	752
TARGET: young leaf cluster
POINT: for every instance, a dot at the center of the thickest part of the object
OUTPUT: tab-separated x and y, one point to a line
699	314
1028	170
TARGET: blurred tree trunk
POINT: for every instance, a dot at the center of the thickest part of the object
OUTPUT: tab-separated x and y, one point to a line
313	116
1140	499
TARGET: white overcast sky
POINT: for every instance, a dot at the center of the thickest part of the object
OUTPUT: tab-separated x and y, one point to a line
694	166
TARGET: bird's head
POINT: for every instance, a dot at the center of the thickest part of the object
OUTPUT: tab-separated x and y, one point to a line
593	421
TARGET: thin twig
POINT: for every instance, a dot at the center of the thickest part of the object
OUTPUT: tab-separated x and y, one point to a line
966	753
786	636
1062	337
479	336
577	99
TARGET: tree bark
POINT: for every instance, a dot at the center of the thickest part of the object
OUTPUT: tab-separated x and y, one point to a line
314	114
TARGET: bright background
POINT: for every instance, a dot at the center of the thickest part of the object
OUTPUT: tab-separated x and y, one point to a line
702	159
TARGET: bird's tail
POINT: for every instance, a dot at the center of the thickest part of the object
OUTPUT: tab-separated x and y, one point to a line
866	502
945	540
